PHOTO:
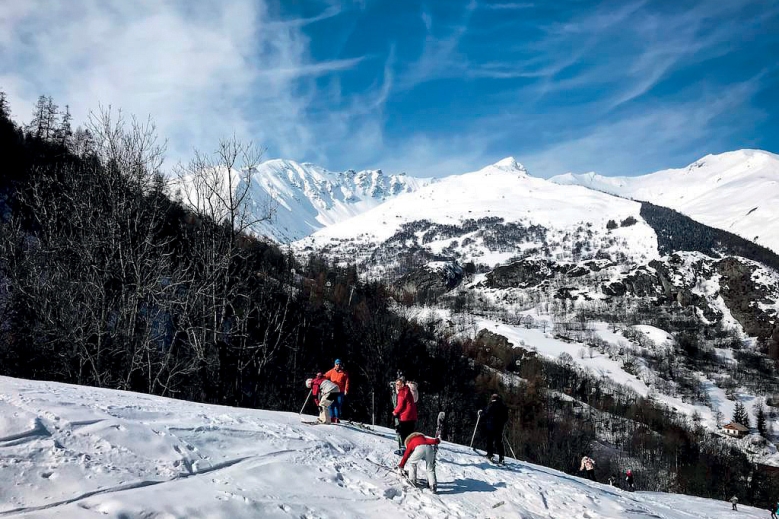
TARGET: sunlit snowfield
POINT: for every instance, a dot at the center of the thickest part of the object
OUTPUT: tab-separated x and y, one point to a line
77	452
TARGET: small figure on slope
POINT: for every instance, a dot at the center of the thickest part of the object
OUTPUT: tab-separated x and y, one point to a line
588	465
734	500
495	416
775	510
420	447
325	392
630	485
405	411
341	379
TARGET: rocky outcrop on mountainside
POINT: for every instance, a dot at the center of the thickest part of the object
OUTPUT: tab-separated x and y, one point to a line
432	280
742	295
521	274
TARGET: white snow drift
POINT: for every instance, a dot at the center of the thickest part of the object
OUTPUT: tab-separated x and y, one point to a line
71	452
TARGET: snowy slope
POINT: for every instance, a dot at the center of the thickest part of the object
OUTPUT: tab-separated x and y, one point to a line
736	191
307	197
74	452
503	190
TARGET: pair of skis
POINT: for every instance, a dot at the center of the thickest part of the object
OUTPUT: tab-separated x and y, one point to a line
404	479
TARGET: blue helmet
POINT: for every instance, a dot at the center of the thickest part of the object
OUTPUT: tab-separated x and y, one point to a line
338	362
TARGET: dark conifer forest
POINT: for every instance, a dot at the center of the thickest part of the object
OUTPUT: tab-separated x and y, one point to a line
109	279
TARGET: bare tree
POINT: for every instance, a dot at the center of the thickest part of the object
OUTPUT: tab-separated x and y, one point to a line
219	312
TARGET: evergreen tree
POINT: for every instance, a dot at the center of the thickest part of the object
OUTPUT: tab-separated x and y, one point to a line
63	134
760	418
740	414
5	111
44	119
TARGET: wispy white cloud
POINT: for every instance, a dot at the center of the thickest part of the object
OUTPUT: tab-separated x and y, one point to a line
202	70
576	94
507	6
648	141
440	55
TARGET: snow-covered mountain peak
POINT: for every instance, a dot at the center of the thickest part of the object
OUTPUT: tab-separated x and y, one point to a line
509	164
735	191
490	216
307	197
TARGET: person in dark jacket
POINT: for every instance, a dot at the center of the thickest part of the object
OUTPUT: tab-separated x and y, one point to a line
630	484
588	466
495	416
405	411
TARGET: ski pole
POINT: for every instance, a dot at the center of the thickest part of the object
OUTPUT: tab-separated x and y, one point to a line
474	429
304	403
509	444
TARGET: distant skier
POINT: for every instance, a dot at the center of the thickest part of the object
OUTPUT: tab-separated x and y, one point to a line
420	447
326	392
341	379
588	465
630	485
734	500
494	416
775	510
405	411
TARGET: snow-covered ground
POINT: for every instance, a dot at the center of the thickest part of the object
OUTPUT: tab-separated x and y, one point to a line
78	452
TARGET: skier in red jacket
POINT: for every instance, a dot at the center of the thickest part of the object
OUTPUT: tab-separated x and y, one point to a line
420	447
406	410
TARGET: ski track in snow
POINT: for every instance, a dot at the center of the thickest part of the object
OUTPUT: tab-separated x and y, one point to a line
78	452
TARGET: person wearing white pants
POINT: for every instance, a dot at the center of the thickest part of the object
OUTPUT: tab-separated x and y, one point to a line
325	392
420	447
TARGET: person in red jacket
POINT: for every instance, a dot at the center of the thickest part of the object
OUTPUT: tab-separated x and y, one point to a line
341	379
405	411
420	447
325	392
315	383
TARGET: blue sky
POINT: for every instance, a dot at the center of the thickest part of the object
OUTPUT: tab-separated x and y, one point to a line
430	88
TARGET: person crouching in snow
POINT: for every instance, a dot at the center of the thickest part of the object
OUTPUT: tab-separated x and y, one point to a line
326	391
420	447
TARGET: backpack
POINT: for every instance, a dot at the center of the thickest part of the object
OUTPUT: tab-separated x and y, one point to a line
412	386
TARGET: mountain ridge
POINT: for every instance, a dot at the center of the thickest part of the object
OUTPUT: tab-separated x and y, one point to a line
734	191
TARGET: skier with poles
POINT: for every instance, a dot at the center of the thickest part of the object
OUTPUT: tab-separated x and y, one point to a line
420	447
495	416
326	392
